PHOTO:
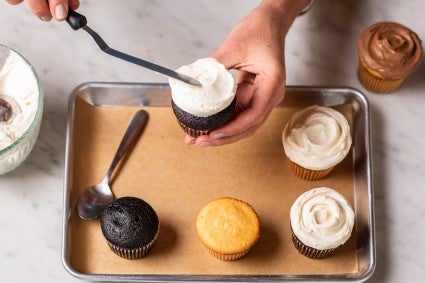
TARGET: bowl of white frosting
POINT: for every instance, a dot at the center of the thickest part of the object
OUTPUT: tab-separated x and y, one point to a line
21	108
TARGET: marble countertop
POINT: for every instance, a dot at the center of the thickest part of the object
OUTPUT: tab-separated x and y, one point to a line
320	50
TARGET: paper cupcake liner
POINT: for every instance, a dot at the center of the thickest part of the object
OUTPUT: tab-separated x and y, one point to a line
193	132
133	253
227	257
307	174
375	84
309	251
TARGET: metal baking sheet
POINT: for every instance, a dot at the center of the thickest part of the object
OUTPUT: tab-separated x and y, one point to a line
158	95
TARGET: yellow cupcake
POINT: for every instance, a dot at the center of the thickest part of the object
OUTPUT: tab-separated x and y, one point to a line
228	228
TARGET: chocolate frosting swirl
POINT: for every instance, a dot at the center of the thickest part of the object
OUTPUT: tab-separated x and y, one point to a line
390	49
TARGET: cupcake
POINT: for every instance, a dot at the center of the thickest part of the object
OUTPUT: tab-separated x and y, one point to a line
228	228
321	221
130	227
199	110
388	53
315	140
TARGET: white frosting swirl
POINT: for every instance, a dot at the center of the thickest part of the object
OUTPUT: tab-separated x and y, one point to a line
317	138
217	91
19	87
322	218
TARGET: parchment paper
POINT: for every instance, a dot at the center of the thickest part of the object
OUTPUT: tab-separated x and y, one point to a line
178	180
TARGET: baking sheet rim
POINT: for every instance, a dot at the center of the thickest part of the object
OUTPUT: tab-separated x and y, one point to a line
217	278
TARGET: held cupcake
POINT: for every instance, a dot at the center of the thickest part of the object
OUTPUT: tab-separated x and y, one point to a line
202	109
388	52
130	227
228	228
321	221
315	140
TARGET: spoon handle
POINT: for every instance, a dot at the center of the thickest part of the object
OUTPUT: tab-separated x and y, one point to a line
135	127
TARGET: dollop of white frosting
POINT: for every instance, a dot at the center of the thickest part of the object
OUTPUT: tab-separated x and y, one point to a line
317	138
216	93
322	218
19	87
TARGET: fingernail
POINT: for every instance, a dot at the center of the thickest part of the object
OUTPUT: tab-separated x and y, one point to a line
46	18
205	144
218	135
60	12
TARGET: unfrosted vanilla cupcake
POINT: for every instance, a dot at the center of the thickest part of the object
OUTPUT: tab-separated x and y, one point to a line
321	221
228	228
315	140
199	110
388	52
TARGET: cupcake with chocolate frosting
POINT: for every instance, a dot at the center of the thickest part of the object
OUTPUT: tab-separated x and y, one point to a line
321	221
388	52
315	140
199	110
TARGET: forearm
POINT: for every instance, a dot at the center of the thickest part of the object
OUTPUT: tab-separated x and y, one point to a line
284	11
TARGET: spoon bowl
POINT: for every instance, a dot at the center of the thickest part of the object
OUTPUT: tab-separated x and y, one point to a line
95	198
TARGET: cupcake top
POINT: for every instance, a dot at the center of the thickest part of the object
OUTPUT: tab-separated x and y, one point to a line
228	226
129	223
216	93
321	218
390	49
317	138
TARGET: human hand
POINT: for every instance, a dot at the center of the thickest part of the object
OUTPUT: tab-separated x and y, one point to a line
46	10
255	49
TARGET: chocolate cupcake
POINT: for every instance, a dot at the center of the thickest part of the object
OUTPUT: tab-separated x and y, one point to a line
321	220
130	227
388	52
199	110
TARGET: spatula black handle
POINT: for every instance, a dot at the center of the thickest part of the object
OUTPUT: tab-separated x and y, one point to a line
76	20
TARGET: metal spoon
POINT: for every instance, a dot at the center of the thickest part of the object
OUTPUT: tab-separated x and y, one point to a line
95	198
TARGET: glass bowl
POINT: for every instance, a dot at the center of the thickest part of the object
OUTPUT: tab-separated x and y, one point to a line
12	155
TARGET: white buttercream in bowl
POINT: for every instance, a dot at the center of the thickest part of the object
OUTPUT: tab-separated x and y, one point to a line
18	86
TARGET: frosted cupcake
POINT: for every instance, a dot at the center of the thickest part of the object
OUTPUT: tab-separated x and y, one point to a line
315	140
388	52
321	221
199	110
228	228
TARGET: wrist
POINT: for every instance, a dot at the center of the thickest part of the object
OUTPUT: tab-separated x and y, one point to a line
287	10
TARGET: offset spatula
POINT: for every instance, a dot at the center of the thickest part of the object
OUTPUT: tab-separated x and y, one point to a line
77	21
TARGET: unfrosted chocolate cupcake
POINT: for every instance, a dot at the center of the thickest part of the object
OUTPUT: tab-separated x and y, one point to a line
199	110
130	227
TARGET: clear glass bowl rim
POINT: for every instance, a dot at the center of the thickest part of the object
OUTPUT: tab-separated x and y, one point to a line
39	111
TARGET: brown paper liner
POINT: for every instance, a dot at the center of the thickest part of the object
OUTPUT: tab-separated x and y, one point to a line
309	251
307	174
162	170
377	84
